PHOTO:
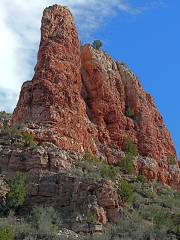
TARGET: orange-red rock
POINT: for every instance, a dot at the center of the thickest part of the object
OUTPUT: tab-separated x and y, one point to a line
53	98
110	90
79	99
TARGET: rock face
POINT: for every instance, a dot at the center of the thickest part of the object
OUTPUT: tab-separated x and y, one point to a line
98	201
53	97
81	100
159	171
54	180
111	91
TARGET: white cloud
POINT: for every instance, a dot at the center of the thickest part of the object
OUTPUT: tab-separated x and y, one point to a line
19	28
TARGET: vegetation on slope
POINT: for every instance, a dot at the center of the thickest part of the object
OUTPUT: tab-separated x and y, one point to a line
150	210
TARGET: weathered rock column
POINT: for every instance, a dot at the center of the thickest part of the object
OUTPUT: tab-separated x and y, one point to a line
53	98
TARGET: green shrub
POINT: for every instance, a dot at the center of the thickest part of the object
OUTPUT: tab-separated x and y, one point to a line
130	113
105	170
162	218
130	147
141	178
90	166
155	233
159	216
176	197
7	233
149	194
12	132
176	222
92	218
97	44
145	190
127	164
126	191
126	229
43	219
138	200
172	160
88	157
17	194
108	171
28	139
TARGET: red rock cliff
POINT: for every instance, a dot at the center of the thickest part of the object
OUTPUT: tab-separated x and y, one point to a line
79	99
111	90
53	98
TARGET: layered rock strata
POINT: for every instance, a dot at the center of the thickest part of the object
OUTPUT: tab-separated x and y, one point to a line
96	200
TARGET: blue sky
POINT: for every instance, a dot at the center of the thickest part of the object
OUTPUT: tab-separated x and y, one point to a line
144	34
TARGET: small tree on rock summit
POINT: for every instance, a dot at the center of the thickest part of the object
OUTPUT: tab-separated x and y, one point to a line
97	44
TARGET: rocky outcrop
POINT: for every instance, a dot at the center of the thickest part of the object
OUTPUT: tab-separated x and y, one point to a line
15	156
53	179
81	100
53	98
158	171
118	106
96	201
109	89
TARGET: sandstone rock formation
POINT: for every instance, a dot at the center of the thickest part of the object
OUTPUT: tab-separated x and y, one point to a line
81	100
110	90
53	97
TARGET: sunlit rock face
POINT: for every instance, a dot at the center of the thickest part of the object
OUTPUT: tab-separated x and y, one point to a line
53	98
81	100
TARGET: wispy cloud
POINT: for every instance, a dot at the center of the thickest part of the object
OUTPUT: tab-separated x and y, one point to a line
19	27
